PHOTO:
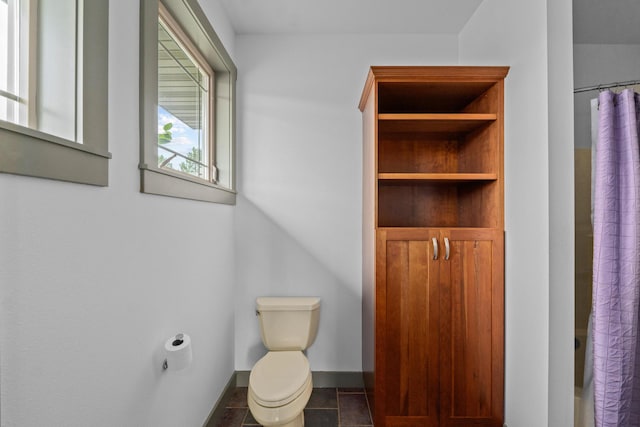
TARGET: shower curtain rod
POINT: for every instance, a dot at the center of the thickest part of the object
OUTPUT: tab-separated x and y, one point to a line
607	86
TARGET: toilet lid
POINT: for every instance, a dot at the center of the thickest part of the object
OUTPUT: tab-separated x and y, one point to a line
279	377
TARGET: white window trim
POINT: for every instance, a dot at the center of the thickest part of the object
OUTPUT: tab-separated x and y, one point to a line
193	21
26	151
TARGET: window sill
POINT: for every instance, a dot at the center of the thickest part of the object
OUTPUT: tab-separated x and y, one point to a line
33	153
165	183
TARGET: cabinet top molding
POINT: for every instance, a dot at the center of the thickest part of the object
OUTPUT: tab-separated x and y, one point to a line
436	74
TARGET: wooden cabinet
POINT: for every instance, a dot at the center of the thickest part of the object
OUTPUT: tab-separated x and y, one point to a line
433	248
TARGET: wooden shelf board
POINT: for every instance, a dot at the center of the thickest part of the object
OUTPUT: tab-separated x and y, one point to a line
454	117
433	123
436	177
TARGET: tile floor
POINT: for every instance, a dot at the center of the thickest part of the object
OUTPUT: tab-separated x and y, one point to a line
327	407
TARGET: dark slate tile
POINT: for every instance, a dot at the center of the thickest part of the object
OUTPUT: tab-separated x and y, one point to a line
232	417
323	398
353	409
350	390
320	418
238	398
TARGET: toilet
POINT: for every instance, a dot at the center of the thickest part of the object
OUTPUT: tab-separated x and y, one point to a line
280	383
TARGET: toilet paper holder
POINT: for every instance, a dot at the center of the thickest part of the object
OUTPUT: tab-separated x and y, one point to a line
177	340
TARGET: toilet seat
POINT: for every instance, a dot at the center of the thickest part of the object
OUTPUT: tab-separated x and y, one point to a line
279	378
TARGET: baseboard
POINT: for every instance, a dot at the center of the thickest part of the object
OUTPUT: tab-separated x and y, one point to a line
218	409
320	379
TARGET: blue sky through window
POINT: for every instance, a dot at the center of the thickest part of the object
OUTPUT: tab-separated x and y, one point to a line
183	138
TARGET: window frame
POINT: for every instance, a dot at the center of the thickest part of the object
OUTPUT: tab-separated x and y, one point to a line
194	23
30	152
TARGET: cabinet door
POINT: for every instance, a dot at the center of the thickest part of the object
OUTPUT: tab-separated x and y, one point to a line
407	309
471	326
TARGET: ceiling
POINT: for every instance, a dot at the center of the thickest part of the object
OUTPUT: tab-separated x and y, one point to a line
349	16
595	21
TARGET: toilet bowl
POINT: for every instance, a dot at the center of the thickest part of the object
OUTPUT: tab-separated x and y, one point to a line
280	383
279	388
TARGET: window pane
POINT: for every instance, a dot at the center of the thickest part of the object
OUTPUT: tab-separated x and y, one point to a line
9	32
38	59
56	68
183	144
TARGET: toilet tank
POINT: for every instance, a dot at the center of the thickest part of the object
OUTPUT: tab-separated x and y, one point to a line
288	323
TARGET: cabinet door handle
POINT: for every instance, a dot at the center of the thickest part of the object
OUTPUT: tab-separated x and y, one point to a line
435	247
447	248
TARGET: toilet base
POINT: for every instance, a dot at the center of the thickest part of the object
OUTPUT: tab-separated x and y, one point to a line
296	422
274	416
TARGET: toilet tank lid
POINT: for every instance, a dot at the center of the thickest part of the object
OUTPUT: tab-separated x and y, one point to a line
287	303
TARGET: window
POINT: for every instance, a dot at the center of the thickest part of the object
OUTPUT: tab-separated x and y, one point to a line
184	103
187	98
53	62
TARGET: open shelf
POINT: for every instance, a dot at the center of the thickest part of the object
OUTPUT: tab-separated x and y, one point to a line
429	97
438	141
471	153
438	204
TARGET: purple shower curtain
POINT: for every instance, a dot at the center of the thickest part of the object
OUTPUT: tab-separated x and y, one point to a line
616	262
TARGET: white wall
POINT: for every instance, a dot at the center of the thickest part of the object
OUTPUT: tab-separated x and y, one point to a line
94	280
221	24
515	33
300	154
